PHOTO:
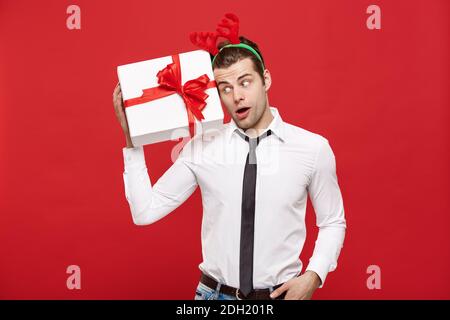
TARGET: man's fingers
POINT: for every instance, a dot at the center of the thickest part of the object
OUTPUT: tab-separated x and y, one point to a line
279	291
117	89
117	95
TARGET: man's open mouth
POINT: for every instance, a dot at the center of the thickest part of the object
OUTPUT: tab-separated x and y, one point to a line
242	110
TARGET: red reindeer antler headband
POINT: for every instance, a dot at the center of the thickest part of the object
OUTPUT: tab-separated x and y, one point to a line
227	28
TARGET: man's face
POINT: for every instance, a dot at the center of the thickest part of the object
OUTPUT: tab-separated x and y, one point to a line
242	92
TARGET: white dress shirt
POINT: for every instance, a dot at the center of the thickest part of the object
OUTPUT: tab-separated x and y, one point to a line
292	163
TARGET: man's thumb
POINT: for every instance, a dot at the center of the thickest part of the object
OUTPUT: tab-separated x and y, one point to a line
279	291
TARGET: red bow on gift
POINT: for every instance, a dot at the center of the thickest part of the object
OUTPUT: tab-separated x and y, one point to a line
192	92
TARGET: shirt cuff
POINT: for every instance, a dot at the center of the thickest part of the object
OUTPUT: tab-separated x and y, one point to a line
133	157
319	266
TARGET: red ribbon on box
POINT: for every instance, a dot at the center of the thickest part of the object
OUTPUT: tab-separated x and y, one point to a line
192	92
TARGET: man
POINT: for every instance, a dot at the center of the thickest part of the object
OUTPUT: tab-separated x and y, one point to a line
254	205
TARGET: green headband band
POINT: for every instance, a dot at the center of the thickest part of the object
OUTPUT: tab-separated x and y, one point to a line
241	45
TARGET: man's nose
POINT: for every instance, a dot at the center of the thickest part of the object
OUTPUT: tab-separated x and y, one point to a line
238	95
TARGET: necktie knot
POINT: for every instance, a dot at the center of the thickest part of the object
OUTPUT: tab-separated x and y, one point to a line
254	140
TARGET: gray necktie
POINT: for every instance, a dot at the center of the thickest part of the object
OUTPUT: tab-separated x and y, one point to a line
248	215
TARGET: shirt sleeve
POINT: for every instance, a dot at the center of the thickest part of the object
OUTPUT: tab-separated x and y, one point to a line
149	203
328	205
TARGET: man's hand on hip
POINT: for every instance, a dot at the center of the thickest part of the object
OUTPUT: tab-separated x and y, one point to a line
300	288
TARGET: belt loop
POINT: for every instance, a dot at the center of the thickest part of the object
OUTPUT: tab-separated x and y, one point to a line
216	294
218	286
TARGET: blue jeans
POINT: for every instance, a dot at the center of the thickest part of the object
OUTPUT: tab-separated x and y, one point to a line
204	292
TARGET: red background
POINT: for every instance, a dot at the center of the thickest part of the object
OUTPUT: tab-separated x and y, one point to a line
380	96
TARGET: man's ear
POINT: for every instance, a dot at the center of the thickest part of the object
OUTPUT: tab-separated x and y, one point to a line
267	79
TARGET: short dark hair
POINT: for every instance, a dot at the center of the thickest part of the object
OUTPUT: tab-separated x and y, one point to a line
231	55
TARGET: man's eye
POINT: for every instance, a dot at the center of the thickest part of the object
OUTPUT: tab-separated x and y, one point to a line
245	83
226	89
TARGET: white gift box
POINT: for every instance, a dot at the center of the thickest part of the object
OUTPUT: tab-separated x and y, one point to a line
167	118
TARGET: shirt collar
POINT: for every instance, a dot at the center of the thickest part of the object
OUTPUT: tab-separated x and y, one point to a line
276	126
